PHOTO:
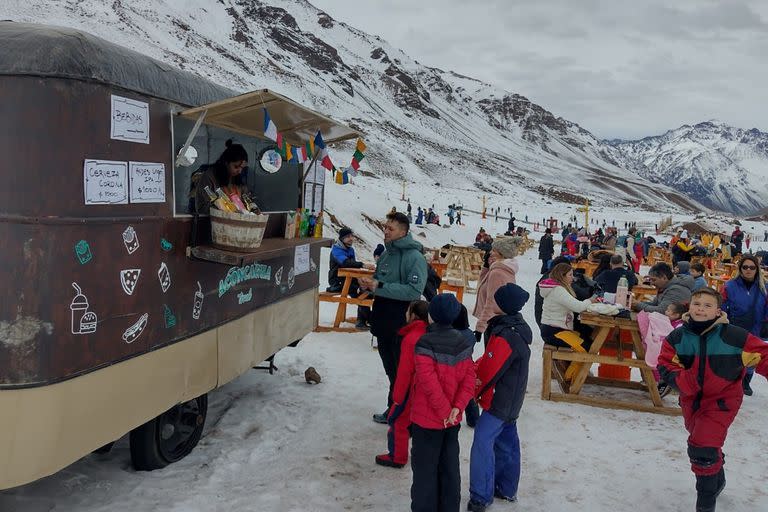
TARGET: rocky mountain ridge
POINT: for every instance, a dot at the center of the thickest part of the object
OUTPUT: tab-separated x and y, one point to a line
421	124
720	166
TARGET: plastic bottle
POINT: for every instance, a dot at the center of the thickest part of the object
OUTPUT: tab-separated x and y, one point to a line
224	203
311	225
304	224
622	291
319	226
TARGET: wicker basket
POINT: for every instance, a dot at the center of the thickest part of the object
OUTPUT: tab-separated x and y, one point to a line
237	232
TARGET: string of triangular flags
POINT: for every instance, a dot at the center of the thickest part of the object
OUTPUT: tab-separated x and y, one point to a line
303	153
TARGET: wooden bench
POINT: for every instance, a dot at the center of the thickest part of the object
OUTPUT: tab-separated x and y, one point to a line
343	299
452	286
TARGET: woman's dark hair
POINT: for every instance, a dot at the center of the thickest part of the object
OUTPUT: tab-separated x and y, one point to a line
419	309
233	153
604	264
758	273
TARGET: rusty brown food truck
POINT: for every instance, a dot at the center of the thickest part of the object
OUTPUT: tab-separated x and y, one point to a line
117	315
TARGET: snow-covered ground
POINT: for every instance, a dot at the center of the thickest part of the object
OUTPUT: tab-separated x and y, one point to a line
277	443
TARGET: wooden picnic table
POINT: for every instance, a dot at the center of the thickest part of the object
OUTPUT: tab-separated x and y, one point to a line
643	292
343	299
571	391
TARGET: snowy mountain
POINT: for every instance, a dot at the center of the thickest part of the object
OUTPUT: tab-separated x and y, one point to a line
421	124
720	166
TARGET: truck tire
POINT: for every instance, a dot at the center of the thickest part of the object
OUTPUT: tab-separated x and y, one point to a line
169	437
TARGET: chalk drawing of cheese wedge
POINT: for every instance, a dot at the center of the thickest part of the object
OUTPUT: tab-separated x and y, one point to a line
134	331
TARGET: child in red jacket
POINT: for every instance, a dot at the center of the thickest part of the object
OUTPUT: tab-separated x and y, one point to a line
502	378
706	359
443	384
399	417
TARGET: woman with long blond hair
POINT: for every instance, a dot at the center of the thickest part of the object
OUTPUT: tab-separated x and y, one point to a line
560	305
745	301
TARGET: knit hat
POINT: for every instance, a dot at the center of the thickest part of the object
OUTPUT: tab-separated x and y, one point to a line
444	308
684	234
511	298
378	250
508	246
343	232
461	322
684	267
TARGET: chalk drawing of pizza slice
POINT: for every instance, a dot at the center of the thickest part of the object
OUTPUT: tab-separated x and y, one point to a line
134	331
129	278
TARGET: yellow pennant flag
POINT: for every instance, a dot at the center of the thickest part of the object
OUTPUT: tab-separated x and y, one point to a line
339	178
288	154
361	146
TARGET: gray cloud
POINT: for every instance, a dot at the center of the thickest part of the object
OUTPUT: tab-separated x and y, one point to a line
620	68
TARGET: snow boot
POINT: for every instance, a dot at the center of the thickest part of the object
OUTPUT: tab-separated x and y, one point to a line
745	384
381	418
706	492
664	389
386	460
475	506
497	494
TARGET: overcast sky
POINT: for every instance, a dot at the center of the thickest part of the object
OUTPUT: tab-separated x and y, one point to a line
619	68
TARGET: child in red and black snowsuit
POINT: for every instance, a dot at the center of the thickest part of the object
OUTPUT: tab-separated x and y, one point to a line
443	384
502	378
399	417
705	359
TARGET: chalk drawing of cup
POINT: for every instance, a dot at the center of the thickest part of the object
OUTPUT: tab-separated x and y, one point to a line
83	321
198	306
83	252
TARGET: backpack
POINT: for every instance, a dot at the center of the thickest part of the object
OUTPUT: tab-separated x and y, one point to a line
621	241
432	285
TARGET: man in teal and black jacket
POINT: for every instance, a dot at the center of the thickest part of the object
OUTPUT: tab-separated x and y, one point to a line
400	276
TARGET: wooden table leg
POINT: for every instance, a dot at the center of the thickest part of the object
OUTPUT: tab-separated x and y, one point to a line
597	344
341	311
546	374
646	371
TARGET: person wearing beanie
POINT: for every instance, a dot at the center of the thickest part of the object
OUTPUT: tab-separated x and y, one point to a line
343	256
502	378
502	268
681	251
444	382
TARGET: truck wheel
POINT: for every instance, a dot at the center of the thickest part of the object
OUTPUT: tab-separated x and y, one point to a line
169	437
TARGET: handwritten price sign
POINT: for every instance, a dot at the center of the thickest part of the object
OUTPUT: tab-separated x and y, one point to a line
105	182
147	182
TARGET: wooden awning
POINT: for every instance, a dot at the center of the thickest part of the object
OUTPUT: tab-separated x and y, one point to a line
244	114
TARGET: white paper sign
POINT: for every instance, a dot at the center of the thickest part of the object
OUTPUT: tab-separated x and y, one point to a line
147	182
105	182
318	205
130	120
320	173
308	196
301	259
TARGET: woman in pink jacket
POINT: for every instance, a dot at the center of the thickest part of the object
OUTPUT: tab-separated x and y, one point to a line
501	270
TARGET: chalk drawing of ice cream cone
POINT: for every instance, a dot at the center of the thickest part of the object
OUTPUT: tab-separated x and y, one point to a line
83	321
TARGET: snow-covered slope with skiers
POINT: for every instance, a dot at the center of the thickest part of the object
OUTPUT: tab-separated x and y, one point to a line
722	167
421	124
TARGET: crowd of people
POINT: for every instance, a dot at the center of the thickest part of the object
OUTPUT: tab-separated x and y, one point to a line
426	344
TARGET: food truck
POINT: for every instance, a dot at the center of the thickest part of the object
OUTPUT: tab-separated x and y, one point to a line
117	312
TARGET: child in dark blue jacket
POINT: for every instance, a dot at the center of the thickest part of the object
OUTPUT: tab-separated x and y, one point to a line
502	377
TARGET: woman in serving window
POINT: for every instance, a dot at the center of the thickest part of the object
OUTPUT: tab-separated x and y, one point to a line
226	173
